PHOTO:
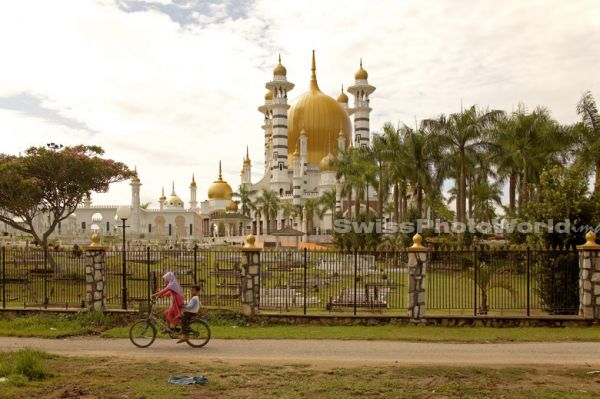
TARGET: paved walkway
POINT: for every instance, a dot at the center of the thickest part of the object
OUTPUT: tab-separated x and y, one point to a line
326	352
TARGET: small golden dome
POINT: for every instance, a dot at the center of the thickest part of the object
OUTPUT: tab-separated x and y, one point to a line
279	69
220	189
342	98
174	201
162	197
247	159
193	183
361	74
269	95
232	206
326	164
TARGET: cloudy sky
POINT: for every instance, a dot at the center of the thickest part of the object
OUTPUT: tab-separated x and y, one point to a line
172	86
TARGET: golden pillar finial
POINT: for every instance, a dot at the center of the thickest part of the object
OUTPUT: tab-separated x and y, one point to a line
361	62
590	242
250	240
280	58
417	243
220	171
173	187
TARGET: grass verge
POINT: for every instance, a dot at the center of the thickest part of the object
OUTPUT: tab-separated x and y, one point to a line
110	326
113	378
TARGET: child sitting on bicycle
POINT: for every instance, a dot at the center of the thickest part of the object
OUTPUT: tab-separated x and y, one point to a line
190	310
173	289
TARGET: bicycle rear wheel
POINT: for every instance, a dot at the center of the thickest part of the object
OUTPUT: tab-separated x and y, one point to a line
142	333
199	334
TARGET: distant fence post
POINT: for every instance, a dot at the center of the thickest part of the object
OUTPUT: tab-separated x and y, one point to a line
250	278
4	277
95	280
417	262
589	277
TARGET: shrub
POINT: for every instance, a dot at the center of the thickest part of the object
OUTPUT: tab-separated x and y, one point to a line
25	363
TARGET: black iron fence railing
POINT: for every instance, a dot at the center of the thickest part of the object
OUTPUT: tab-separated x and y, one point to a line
457	282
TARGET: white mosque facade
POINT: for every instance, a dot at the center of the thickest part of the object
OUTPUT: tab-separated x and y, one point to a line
300	142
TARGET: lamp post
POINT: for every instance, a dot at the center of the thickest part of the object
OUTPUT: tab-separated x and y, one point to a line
123	213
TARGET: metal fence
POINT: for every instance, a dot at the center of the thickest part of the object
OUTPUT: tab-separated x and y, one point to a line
457	282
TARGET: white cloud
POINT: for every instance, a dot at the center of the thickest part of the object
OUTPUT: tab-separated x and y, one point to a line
175	98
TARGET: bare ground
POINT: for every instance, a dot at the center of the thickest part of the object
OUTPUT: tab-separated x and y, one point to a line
326	353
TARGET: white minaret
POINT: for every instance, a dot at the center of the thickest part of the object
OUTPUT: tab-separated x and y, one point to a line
298	180
193	191
247	169
162	199
135	222
303	150
279	86
267	111
361	91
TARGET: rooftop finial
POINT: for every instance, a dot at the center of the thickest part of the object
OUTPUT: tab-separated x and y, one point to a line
247	154
173	188
313	74
361	62
280	58
220	174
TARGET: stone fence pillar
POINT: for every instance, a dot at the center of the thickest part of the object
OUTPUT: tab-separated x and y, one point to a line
250	278
589	278
95	279
417	265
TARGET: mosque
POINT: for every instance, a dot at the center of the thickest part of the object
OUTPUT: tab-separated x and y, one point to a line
301	141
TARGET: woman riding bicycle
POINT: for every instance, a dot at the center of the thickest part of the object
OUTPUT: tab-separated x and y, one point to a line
173	289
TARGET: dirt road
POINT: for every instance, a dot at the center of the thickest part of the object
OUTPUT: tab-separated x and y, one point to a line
325	352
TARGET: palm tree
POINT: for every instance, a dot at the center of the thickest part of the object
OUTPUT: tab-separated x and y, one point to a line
311	205
458	135
245	199
588	137
287	210
327	202
490	275
486	196
524	145
268	204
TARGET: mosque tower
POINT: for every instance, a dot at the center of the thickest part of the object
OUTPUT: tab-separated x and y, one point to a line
279	87
361	91
193	192
135	222
247	169
267	126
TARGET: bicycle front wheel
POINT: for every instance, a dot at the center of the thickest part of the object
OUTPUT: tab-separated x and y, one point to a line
142	334
199	334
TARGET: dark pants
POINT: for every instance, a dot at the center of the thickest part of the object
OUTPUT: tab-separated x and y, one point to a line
186	317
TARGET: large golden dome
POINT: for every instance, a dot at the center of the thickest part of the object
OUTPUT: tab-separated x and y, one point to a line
220	189
322	117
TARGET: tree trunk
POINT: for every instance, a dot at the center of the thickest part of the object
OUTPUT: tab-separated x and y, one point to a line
470	197
525	192
380	194
404	204
419	200
461	194
597	180
357	206
512	186
396	204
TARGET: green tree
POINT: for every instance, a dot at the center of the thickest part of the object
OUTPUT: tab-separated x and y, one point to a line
588	137
50	182
490	274
327	202
459	135
268	204
245	195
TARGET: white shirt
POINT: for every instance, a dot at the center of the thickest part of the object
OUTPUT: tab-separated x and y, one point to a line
193	306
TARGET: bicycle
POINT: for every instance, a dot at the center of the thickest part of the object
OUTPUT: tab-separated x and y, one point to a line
143	332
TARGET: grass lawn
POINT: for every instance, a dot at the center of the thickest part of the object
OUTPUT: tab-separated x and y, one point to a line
110	378
55	326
